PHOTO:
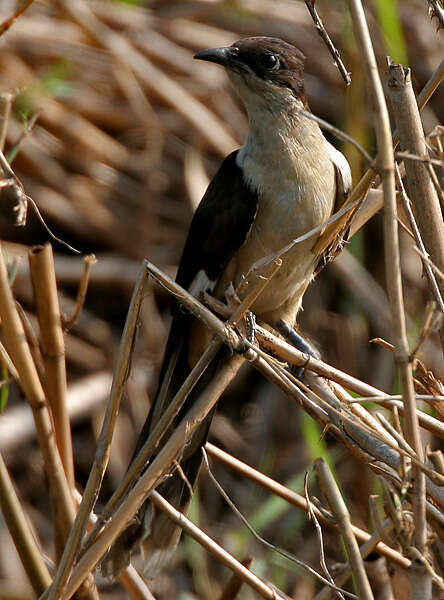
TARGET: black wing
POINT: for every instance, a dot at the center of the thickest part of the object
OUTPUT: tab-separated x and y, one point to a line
220	224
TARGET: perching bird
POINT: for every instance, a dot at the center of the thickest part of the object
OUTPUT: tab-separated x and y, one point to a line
284	181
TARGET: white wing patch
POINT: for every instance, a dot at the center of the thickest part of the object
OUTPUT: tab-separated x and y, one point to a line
200	284
344	178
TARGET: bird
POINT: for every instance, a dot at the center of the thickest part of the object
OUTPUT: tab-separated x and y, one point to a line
285	180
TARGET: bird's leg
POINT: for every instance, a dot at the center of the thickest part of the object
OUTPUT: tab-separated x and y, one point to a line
296	340
250	326
249	320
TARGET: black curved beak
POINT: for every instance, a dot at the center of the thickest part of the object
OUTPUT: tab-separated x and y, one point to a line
227	57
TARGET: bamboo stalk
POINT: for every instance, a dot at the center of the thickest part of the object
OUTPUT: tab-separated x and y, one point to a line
62	501
41	265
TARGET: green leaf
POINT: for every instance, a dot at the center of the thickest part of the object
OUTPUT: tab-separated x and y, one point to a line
391	28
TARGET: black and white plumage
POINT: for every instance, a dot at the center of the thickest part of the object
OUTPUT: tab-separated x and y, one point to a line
284	181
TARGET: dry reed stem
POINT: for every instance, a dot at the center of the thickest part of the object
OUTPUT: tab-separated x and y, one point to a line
21	533
177	402
168	453
4	356
300	502
98	468
30	383
379	578
288	555
234	584
5	25
52	343
366	443
393	269
420	188
156	435
129	577
361	189
339	509
298	358
134	584
15	590
242	572
62	501
289	353
366	549
437	458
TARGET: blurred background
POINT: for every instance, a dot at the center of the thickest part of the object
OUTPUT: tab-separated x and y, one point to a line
115	132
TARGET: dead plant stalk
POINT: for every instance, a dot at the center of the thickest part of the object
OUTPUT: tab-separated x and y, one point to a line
393	271
161	463
339	510
104	442
61	498
420	188
21	533
41	266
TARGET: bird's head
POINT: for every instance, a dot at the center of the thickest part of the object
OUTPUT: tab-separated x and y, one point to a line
264	71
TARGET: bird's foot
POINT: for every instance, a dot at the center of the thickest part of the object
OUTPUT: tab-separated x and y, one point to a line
295	339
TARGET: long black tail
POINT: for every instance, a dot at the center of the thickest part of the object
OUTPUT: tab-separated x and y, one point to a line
156	533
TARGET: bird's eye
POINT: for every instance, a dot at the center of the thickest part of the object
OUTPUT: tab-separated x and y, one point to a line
270	61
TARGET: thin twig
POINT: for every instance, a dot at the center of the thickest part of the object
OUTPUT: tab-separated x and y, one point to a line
424	159
427	259
299	501
19	11
46	227
267	544
312	517
341	135
89	261
324	35
222	555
